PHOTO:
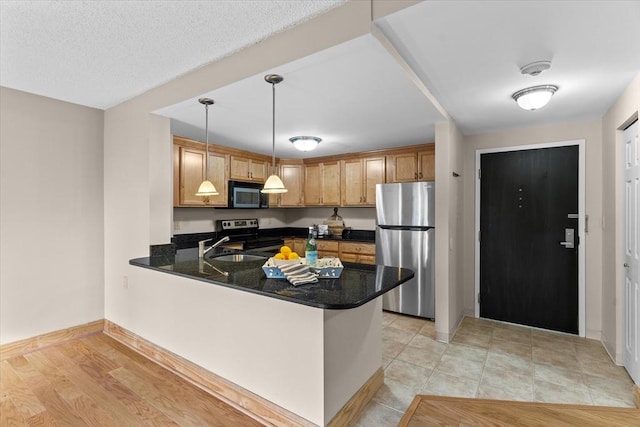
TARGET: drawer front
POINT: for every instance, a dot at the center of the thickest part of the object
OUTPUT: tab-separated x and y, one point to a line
367	259
358	248
348	257
328	246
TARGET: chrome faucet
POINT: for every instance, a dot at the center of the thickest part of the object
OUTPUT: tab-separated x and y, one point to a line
201	249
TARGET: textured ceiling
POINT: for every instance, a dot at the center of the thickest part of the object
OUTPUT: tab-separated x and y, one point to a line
101	53
354	96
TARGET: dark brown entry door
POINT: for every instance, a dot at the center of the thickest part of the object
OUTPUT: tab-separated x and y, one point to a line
528	210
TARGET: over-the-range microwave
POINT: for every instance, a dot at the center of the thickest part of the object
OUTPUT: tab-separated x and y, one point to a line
247	195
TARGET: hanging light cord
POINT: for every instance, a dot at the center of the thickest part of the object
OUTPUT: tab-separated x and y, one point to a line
206	147
273	130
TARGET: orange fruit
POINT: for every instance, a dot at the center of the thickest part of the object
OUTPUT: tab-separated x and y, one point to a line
279	256
294	255
286	250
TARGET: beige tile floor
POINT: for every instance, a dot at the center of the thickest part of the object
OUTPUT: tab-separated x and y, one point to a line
491	360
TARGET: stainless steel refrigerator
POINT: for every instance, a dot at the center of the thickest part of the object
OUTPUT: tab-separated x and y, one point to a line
405	237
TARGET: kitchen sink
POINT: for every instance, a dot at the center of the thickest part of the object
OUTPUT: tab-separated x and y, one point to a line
239	258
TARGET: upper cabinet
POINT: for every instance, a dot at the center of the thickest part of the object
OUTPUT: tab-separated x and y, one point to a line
414	165
248	168
322	183
292	175
359	178
348	180
189	170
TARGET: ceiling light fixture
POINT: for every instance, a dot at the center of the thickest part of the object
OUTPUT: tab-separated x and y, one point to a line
273	184
305	143
206	188
534	97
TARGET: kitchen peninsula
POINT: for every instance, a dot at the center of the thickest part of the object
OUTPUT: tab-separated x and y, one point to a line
308	349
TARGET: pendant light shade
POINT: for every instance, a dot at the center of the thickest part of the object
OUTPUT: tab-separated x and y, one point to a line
534	97
207	188
273	184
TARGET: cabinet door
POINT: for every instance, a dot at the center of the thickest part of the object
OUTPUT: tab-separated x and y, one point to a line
404	167
299	245
427	161
331	184
352	182
240	168
219	177
259	170
293	179
312	185
191	176
375	173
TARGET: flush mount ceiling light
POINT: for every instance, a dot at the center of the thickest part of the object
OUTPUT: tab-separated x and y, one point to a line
534	97
273	184
206	188
305	143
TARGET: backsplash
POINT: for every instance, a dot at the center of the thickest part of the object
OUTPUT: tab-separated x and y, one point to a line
199	220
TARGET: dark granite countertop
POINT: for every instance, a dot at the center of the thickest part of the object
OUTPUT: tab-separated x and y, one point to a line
357	285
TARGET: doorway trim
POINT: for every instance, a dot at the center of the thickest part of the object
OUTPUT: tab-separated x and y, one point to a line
582	220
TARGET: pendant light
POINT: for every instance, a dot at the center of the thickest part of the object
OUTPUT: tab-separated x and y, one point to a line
273	184
206	188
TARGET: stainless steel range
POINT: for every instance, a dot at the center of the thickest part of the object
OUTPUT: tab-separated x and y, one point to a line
246	231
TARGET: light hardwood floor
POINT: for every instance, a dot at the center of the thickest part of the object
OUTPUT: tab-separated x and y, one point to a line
97	381
437	410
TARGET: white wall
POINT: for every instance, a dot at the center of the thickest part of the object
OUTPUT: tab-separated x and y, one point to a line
591	132
51	215
624	109
449	206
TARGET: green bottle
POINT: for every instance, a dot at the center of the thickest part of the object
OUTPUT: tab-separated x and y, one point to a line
311	248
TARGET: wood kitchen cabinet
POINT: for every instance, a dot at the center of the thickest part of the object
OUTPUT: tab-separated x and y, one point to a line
322	184
363	253
412	166
359	178
297	245
328	248
189	171
249	169
292	176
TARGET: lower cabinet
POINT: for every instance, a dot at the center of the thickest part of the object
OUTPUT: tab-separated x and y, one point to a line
297	245
363	253
328	248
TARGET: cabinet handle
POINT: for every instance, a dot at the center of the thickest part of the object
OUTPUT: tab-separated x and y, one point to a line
420	175
415	176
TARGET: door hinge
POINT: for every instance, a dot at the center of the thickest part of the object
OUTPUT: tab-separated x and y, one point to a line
479	174
479	235
478	298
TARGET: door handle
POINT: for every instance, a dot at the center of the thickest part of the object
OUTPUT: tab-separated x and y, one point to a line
569	238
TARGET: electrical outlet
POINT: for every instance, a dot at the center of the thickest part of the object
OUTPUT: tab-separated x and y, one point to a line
125	282
176	225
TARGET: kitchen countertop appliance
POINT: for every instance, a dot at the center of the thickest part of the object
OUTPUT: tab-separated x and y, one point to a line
245	231
405	237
